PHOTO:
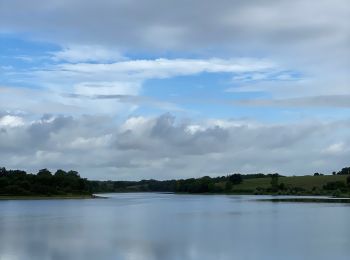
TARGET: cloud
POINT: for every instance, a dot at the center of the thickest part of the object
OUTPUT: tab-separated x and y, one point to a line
34	101
85	53
285	32
102	87
165	68
155	24
331	101
127	77
335	149
310	37
11	121
167	147
131	99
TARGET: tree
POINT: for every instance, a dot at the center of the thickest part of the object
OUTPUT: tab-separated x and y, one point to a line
235	178
274	182
334	185
281	186
344	171
17	182
60	172
3	171
44	172
73	173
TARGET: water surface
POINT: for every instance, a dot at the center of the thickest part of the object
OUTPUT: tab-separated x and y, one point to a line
173	227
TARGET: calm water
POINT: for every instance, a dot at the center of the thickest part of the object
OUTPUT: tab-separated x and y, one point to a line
173	227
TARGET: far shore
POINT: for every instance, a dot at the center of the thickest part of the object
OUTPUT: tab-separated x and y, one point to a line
51	197
309	200
281	198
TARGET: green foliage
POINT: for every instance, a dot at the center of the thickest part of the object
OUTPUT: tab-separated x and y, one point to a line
228	186
335	185
274	182
20	183
16	182
236	183
193	185
344	171
235	178
281	186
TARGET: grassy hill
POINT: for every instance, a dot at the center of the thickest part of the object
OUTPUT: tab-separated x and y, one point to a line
307	183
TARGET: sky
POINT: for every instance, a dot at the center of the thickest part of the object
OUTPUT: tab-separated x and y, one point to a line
130	90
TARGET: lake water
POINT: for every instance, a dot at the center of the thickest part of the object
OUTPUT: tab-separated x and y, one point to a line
173	227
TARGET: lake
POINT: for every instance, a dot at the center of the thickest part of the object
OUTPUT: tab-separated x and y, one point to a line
173	227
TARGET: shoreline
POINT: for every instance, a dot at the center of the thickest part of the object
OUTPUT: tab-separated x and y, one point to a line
309	200
279	199
274	197
52	197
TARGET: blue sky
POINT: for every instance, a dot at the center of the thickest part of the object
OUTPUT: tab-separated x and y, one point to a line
237	72
200	94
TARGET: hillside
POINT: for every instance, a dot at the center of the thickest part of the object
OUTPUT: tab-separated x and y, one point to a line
305	182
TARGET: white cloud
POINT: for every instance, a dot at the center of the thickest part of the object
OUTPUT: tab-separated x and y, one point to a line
336	148
84	53
78	87
127	77
91	143
137	124
106	88
11	121
165	68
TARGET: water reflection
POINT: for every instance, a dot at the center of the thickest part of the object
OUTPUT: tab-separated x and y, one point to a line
167	226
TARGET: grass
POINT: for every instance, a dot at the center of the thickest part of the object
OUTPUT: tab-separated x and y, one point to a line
305	182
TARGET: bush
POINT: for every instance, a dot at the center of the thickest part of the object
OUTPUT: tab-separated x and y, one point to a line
334	185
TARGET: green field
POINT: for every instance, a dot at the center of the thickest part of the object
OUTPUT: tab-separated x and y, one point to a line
305	182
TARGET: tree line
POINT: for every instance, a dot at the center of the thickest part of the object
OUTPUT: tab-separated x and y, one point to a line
46	183
21	183
206	184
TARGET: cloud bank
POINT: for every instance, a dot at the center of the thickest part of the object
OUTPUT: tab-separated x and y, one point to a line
165	147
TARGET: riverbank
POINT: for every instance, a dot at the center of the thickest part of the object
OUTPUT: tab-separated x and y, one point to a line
51	197
309	200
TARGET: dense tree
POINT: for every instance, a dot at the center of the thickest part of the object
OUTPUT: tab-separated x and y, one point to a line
235	178
335	185
16	182
44	173
344	171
